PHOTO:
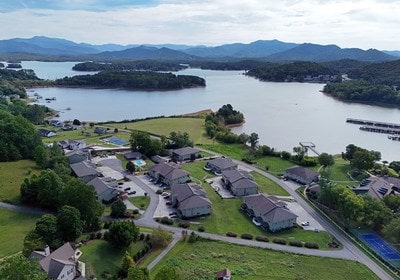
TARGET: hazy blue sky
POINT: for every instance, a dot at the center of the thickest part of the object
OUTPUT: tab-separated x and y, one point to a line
353	23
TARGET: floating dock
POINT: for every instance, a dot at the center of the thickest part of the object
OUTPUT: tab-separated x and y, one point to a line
380	129
373	123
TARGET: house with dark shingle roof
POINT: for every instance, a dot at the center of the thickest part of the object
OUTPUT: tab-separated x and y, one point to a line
77	156
239	183
185	153
270	211
47	133
221	164
104	192
85	171
133	155
61	264
301	175
190	200
168	173
378	187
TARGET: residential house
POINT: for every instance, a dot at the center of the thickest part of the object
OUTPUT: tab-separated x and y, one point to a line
47	133
168	173
61	264
72	144
77	156
159	159
104	192
301	175
224	274
85	171
100	130
377	187
186	153
190	200
220	164
313	190
239	183
133	155
395	182
272	213
56	123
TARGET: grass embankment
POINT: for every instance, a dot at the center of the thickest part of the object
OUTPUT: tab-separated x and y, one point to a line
226	215
14	226
164	126
141	202
12	174
255	263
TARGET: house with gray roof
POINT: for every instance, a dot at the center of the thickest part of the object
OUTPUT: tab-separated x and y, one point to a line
239	183
61	264
72	144
190	200
220	164
272	213
168	173
77	156
104	191
133	155
301	175
47	133
186	153
85	171
377	187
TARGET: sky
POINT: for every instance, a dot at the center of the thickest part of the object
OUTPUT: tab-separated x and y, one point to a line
353	23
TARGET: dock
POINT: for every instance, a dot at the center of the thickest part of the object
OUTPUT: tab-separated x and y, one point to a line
385	130
369	123
309	146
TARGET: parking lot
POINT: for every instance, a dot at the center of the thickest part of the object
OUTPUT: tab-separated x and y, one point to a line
218	185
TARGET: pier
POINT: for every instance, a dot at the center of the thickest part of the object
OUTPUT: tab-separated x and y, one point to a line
380	129
309	146
368	123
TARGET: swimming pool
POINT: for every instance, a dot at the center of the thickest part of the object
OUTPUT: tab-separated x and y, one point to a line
139	162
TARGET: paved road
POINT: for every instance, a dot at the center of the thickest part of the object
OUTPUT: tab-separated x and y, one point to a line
349	247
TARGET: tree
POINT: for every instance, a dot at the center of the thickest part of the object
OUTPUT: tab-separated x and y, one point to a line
180	140
160	238
130	167
32	242
395	165
122	234
141	141
243	138
127	262
300	152
46	228
376	214
392	202
20	268
253	140
326	160
350	150
285	155
69	223
76	122
167	273
138	273
118	208
392	231
362	160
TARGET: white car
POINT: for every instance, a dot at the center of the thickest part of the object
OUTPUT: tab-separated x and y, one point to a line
255	222
304	224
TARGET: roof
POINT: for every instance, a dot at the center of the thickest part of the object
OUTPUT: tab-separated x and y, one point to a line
185	151
55	262
244	183
379	187
271	209
223	273
133	155
100	186
169	171
302	172
82	169
190	196
76	152
222	163
395	182
239	180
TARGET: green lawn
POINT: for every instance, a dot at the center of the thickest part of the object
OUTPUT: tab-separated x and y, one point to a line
14	226
164	126
338	172
99	256
141	202
202	259
226	215
265	185
12	174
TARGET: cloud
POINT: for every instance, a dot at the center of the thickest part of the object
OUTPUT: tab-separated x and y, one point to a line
357	23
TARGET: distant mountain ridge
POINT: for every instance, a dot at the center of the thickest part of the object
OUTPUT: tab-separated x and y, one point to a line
267	50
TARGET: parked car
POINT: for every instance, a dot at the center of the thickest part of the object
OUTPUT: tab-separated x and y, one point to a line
257	223
127	189
173	213
132	192
168	202
164	194
304	224
167	197
217	173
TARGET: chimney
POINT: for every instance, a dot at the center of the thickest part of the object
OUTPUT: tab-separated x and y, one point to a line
46	250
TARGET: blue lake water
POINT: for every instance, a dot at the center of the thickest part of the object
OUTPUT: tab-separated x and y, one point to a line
283	114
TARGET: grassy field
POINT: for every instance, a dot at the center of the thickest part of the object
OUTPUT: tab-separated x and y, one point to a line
141	202
12	174
200	260
265	185
338	172
13	228
226	215
164	126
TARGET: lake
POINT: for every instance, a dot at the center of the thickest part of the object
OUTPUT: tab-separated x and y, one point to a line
283	114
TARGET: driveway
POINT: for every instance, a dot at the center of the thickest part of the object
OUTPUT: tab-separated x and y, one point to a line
304	216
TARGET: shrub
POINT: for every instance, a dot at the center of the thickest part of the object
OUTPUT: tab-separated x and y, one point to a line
231	234
166	221
159	192
92	235
184	224
106	235
148	236
99	235
135	211
279	241
201	229
296	243
141	236
247	236
106	225
262	238
311	245
193	237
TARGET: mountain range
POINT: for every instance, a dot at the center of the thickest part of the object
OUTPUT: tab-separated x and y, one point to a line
268	50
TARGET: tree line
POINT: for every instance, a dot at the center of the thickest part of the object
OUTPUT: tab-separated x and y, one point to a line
140	65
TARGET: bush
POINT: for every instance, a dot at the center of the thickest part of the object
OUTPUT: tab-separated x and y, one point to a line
141	236
159	192
135	211
166	221
99	235
262	238
106	235
279	241
231	234
92	235
311	245
247	236
106	225
201	229
184	224
296	243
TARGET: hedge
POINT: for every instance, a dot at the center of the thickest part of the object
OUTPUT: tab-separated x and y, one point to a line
311	245
184	224
166	221
247	236
262	238
296	243
231	234
279	241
